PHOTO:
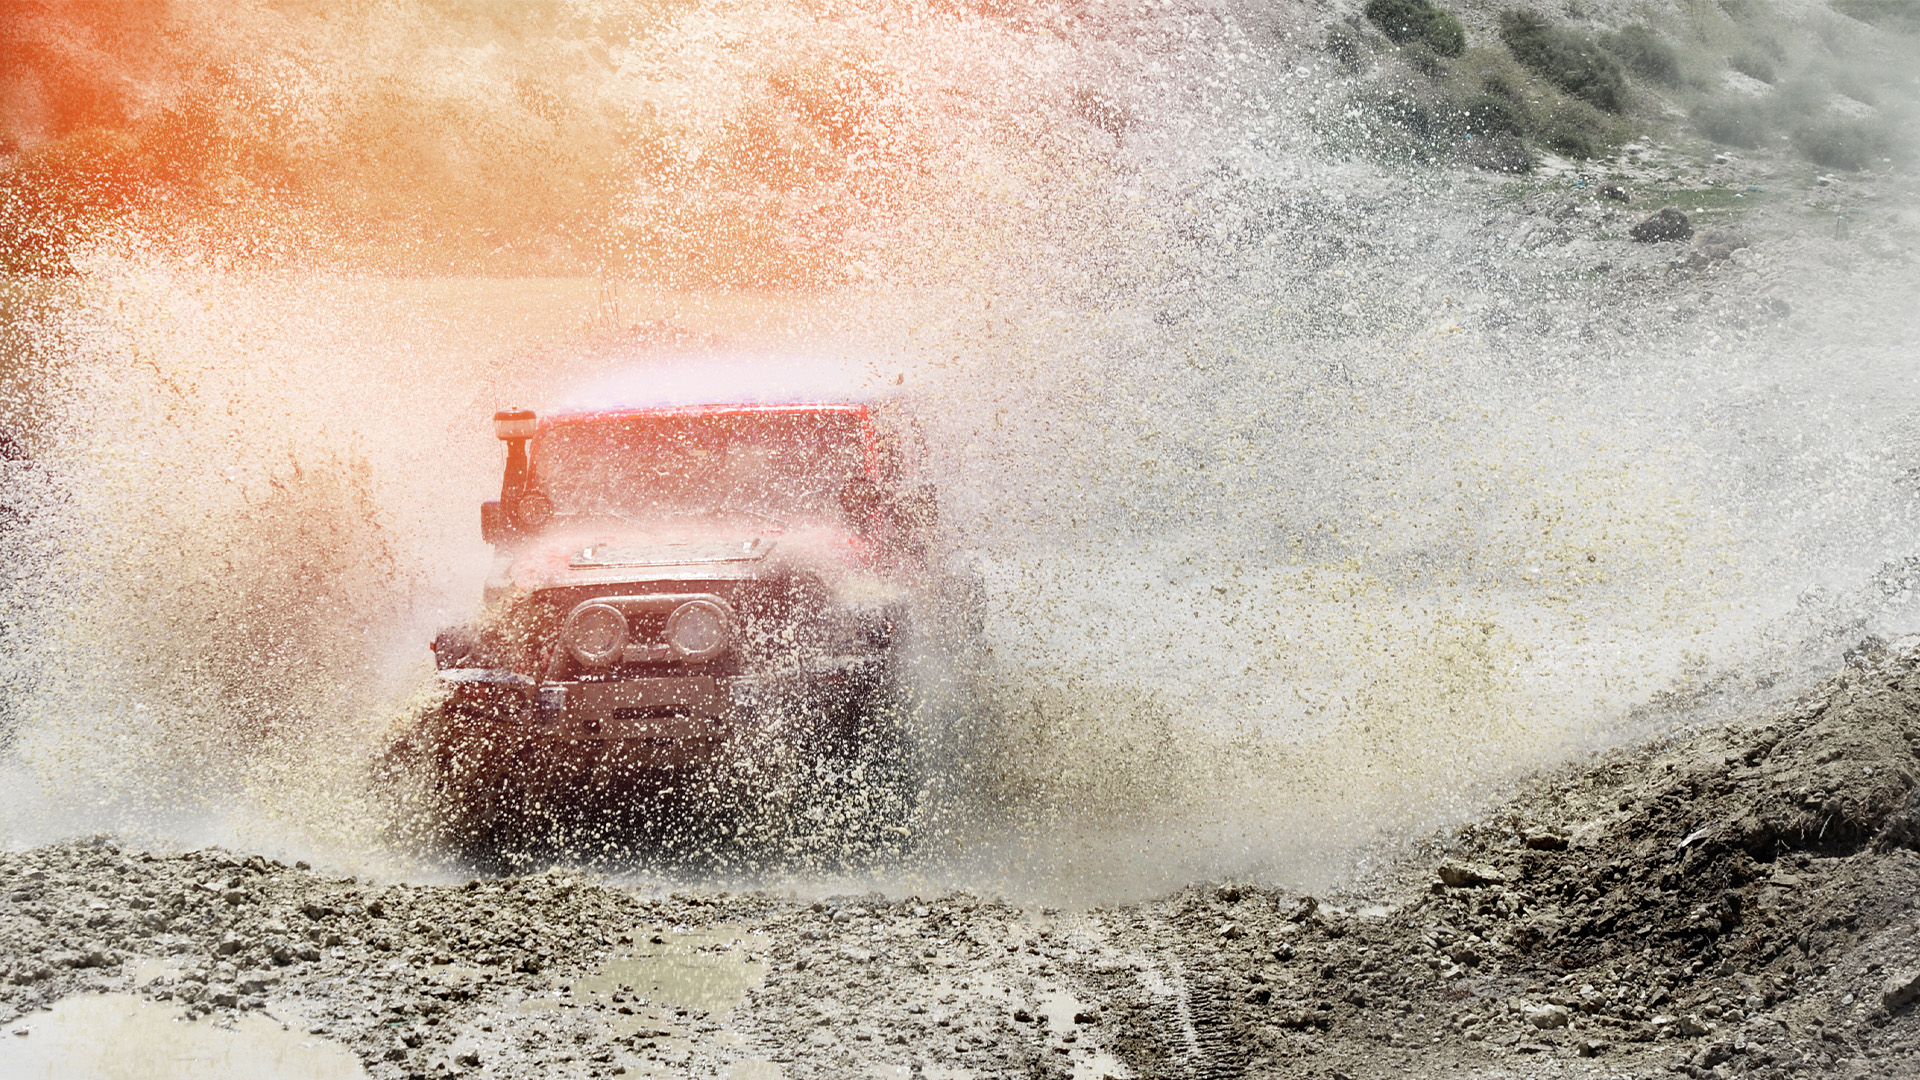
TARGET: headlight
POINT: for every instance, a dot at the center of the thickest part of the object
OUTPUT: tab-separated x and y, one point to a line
595	634
533	510
697	630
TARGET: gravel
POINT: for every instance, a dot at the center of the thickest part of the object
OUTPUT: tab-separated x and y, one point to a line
1737	901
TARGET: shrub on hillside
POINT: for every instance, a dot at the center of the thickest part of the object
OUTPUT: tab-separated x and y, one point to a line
1494	114
1408	22
1574	129
1842	144
1566	58
1755	65
1432	118
1734	123
1344	46
1645	53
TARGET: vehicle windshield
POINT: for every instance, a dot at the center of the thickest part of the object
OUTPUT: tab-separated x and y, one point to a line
774	464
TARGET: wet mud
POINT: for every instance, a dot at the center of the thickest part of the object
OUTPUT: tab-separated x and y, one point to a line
1733	899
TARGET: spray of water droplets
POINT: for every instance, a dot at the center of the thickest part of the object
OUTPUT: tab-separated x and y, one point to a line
1314	494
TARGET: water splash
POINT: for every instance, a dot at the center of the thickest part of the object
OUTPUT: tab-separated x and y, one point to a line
1315	497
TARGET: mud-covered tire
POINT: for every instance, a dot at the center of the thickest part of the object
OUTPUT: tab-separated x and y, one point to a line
855	799
450	795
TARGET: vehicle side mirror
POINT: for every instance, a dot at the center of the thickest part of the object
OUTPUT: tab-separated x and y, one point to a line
493	522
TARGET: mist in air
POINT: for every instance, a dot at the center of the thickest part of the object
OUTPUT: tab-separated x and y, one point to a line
1329	455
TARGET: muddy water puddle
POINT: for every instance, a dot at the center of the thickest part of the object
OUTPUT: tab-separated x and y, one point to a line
1062	1012
126	1037
709	969
668	995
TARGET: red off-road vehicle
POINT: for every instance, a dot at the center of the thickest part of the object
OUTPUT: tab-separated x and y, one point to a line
695	629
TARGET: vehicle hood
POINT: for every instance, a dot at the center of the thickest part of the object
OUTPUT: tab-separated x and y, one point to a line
720	551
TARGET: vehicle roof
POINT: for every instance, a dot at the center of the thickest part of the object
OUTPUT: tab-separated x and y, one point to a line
691	382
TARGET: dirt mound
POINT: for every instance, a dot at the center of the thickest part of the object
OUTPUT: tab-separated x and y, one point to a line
1733	901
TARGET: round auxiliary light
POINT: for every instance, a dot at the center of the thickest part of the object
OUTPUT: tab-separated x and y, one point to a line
697	630
595	634
533	510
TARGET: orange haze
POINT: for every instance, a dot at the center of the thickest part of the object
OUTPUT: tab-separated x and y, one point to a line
453	136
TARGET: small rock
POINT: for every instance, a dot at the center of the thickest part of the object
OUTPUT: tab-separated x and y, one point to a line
1591	1047
1691	1026
1022	1016
1461	875
93	958
1900	989
467	1059
1724	238
1546	1017
1297	1015
1712	1054
1663	226
1717	245
1230	931
1544	840
1902	829
1615	193
1303	909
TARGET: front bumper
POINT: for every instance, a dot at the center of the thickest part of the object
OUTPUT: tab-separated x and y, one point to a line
611	709
658	709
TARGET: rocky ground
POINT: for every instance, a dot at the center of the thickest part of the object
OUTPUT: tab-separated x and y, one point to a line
1737	900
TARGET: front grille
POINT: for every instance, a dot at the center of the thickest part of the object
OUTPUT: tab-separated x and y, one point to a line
647	628
651	712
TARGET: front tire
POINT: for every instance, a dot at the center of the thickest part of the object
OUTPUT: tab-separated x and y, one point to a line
857	795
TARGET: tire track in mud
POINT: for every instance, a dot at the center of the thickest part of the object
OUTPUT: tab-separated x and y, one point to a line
1178	1024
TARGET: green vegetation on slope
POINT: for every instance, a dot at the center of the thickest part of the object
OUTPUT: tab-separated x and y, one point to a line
1406	22
1570	60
